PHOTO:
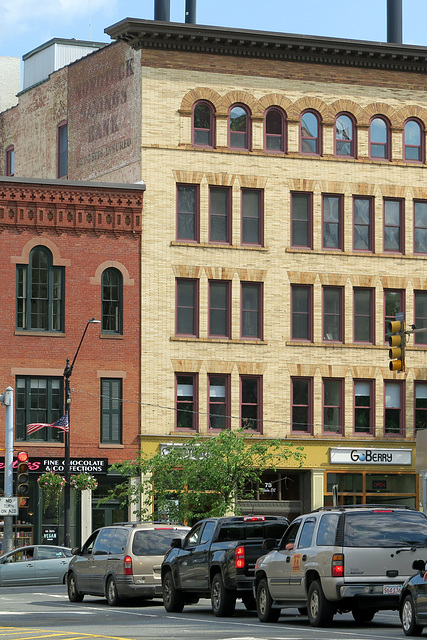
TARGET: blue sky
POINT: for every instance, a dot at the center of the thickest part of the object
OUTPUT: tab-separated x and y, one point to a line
26	24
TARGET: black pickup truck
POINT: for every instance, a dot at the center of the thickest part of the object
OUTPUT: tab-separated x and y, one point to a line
216	560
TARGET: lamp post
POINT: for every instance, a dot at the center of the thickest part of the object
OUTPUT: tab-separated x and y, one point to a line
67	375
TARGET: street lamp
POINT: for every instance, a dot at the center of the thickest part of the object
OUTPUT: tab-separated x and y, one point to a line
67	375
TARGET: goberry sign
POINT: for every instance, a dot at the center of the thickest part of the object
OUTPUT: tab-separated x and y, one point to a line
346	455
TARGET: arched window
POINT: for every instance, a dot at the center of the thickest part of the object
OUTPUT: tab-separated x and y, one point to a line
239	128
203	124
379	138
40	299
413	139
345	136
310	133
112	301
274	130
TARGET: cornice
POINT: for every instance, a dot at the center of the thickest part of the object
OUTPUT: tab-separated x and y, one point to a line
150	34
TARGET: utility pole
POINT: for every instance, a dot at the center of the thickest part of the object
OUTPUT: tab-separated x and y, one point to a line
6	399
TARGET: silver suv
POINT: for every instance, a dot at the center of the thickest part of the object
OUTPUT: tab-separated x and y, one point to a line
340	559
121	561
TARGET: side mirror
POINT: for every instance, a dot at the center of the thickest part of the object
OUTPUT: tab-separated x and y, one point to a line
75	551
269	544
176	543
419	565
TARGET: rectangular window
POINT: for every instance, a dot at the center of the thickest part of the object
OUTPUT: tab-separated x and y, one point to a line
332	207
252	310
220	214
393	303
393	226
252	216
333	410
251	403
363	406
10	161
188	212
332	314
187	302
363	232
364	315
219	308
302	312
420	317
219	401
186	401
393	408
111	410
63	150
420	226
38	399
302	220
420	405
302	404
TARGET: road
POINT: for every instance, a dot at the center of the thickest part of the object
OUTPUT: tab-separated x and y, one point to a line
45	613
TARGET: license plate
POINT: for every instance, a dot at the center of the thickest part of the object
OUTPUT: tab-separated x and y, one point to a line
392	590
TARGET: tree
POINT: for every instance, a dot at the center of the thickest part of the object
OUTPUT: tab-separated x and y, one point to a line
202	477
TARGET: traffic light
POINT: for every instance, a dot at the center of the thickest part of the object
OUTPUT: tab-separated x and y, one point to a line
23	475
396	340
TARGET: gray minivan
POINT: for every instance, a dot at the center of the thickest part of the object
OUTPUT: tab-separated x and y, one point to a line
121	561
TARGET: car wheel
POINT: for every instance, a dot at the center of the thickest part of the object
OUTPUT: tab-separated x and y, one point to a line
111	594
264	603
363	615
249	601
223	600
173	598
407	616
74	595
320	611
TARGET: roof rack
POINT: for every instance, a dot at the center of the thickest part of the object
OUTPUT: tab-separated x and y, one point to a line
343	507
134	523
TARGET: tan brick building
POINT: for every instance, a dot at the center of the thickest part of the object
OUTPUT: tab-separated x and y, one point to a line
285	221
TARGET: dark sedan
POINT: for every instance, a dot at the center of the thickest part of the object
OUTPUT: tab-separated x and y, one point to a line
413	601
35	564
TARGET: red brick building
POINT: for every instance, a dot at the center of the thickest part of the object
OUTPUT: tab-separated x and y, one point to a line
71	252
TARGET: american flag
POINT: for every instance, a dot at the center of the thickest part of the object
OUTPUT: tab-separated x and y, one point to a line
62	424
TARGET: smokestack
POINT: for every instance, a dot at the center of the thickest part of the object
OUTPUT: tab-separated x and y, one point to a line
162	10
190	11
394	21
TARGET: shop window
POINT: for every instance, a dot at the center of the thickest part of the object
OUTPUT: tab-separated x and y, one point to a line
220	215
363	229
274	130
203	124
393	410
187	304
371	488
332	208
62	150
252	216
413	141
345	136
333	314
302	312
333	409
251	310
420	317
10	161
220	308
310	133
188	212
379	139
38	400
112	301
251	403
364	414
186	401
39	293
239	128
111	410
393	303
393	226
420	405
364	316
219	401
302	220
420	226
302	405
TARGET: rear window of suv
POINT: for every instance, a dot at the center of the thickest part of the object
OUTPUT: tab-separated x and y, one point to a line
155	542
255	531
385	528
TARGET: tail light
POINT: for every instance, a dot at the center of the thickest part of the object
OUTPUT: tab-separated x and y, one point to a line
127	566
337	565
239	558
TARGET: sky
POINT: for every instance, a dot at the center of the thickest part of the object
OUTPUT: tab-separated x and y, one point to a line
26	24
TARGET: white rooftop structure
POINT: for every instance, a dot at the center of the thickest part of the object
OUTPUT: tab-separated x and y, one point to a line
10	81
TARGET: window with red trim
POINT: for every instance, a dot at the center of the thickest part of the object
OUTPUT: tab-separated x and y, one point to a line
393	225
274	130
364	414
413	141
302	404
220	215
345	130
251	403
219	401
252	310
379	138
203	124
186	394
220	308
252	216
239	128
310	133
187	303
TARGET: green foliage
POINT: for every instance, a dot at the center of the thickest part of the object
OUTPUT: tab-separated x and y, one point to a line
202	477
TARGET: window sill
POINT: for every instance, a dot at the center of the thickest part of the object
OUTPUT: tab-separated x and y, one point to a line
220	340
40	334
218	245
110	446
111	336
